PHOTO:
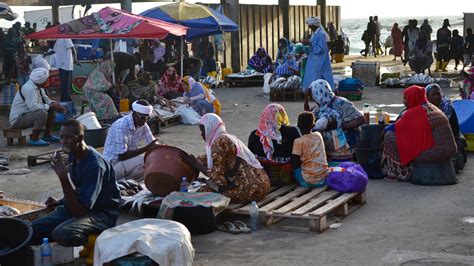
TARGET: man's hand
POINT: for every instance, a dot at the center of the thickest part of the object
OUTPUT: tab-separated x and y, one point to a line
58	166
51	202
76	62
57	107
306	104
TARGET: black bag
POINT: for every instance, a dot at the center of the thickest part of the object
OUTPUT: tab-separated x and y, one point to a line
199	220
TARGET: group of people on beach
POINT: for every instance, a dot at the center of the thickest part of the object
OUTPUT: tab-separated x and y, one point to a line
414	46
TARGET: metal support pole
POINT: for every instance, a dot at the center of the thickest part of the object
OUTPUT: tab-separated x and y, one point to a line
182	55
112	58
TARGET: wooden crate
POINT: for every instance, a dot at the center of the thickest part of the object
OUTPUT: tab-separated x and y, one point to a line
20	134
251	81
286	95
321	206
169	121
30	210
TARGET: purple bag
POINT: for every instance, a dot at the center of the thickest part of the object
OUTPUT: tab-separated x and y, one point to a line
352	178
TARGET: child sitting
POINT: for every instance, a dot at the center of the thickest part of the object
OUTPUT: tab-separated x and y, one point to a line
310	166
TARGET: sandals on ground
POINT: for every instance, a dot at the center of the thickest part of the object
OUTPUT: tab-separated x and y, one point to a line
229	228
242	227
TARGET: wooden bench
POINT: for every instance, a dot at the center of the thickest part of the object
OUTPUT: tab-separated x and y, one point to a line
20	134
320	206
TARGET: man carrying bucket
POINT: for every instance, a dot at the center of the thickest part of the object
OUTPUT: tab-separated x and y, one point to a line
121	145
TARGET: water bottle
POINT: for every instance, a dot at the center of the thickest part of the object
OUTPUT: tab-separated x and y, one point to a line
46	253
254	216
184	184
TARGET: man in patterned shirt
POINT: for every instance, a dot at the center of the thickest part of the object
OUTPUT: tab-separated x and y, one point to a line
125	134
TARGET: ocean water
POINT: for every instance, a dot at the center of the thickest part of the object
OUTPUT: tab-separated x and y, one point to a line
354	28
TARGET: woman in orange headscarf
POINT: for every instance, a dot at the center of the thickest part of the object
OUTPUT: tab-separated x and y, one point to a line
421	135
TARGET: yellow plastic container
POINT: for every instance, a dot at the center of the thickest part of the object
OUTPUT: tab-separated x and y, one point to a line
470	142
124	105
339	58
225	72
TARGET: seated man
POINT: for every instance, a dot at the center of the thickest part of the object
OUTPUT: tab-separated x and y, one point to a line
91	197
121	145
32	107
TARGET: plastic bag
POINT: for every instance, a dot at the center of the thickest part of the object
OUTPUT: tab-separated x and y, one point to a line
188	115
347	177
266	82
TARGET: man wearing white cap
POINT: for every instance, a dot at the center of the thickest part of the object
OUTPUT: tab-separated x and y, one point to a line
318	64
32	107
125	134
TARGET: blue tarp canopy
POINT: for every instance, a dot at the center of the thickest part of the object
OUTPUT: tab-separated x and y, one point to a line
201	20
465	113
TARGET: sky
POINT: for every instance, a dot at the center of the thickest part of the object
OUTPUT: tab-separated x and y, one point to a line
350	8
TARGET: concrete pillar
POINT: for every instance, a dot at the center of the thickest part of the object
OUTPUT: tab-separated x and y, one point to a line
55	13
232	11
126	5
284	6
322	4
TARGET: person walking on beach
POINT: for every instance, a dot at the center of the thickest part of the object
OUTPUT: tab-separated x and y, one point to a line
443	42
411	36
426	29
468	47
318	64
378	47
397	49
457	48
372	34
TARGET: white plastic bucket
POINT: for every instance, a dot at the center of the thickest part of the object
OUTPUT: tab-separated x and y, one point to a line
89	120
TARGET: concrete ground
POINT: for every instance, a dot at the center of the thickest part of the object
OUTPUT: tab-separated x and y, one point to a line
401	224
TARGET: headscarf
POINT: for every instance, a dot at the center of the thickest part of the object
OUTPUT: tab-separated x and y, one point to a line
446	105
142	109
323	95
171	85
39	75
413	130
299	48
256	60
214	128
313	21
107	68
188	82
39	61
271	120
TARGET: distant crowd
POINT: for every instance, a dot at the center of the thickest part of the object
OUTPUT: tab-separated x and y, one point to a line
414	46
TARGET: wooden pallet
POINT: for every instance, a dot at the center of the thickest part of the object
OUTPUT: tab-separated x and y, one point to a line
169	121
251	81
286	95
11	134
321	206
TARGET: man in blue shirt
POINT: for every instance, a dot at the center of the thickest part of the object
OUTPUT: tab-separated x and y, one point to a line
318	64
91	196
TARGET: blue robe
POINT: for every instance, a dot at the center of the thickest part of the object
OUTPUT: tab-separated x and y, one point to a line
318	64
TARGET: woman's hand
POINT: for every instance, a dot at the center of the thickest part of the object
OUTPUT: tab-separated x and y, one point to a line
193	162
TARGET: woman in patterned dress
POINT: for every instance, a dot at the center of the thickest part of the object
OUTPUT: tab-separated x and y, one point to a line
95	88
232	168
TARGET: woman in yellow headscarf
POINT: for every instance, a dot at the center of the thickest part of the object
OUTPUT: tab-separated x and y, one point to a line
272	143
200	98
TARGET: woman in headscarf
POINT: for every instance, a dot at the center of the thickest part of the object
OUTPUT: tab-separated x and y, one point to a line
272	143
98	88
289	68
421	56
261	61
435	96
337	119
199	97
397	39
467	92
232	168
284	48
170	85
421	135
